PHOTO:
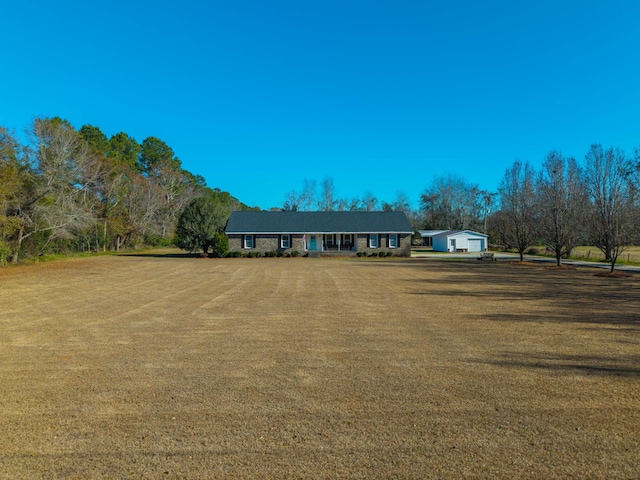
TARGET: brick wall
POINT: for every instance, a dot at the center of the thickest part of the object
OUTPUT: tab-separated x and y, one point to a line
271	243
402	250
265	243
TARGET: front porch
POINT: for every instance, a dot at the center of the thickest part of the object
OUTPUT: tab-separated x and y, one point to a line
336	243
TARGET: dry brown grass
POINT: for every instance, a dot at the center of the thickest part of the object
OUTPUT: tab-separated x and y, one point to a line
614	274
151	367
631	254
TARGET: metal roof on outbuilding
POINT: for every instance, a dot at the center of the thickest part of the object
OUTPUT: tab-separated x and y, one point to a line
449	233
318	222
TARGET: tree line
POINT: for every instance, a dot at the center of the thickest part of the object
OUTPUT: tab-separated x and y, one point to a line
66	190
564	204
325	199
569	203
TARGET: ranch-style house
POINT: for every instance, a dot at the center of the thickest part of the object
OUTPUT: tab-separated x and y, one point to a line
326	233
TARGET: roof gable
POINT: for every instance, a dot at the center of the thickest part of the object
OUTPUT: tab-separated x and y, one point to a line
318	222
454	233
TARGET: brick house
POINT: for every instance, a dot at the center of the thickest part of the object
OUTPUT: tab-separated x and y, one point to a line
327	233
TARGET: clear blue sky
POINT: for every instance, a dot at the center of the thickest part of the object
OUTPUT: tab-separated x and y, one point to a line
382	96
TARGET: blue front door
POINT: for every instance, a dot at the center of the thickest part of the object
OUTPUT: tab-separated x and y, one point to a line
312	242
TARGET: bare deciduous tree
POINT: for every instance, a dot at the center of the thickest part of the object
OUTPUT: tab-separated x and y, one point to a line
303	200
327	197
57	200
369	201
517	195
452	203
608	178
561	199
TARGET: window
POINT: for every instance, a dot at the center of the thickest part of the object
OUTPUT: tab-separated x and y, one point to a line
248	241
393	240
373	240
285	241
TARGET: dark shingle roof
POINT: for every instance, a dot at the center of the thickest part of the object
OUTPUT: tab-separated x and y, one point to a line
318	222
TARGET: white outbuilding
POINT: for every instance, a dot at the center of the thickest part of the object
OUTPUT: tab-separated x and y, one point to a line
455	240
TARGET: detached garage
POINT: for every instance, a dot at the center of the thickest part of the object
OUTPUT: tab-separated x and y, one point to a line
455	240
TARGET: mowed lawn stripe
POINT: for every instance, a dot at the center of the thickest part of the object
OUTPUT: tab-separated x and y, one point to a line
152	367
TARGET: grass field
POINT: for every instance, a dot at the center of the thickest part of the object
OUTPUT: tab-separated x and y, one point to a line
170	367
632	254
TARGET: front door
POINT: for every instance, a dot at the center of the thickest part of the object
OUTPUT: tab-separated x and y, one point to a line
312	242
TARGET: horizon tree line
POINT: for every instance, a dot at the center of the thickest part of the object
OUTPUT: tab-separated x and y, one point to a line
562	205
65	190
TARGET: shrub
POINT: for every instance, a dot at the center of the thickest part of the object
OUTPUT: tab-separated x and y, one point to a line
5	251
220	245
157	241
257	254
279	253
295	253
287	255
270	254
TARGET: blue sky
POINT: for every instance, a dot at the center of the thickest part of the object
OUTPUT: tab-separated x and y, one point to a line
379	95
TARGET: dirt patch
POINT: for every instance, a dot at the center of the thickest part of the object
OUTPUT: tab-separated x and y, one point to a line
173	367
614	274
526	263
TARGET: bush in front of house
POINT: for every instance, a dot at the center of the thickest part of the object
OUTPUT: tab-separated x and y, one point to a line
295	253
270	254
219	245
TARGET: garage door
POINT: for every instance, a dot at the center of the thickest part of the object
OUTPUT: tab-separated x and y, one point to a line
475	245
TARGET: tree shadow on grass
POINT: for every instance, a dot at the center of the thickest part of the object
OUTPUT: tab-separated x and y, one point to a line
163	255
564	295
570	364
